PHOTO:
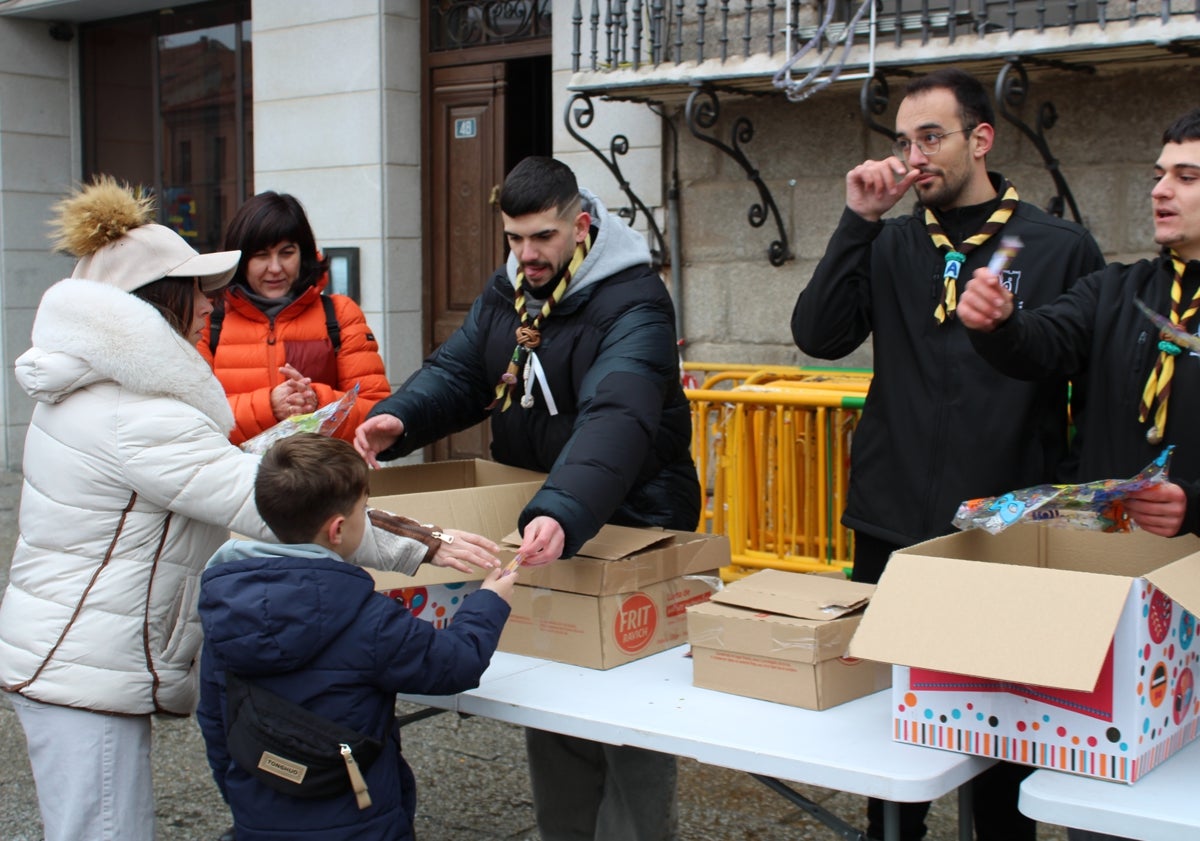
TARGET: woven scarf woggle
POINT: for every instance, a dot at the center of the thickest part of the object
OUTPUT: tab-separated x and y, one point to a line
955	257
524	361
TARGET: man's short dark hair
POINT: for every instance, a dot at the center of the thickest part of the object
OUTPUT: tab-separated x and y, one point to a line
974	107
304	480
1185	128
537	184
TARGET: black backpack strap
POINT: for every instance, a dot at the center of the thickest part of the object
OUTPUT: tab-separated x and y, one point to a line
214	324
331	323
218	317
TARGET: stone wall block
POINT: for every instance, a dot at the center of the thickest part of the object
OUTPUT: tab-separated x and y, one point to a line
709	291
283	14
305	61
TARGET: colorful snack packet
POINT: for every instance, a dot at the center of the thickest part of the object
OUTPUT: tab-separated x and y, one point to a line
324	421
1093	506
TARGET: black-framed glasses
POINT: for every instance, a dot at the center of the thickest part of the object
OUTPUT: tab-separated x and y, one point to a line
928	142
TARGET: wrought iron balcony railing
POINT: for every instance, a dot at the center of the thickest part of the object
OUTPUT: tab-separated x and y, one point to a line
750	37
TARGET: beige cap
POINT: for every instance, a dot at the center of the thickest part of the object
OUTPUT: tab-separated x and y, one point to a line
151	252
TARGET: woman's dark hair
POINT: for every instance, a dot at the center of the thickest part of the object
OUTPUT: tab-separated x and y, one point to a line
175	300
270	218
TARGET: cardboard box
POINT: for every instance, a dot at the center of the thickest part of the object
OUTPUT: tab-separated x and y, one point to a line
782	636
478	496
1051	647
434	594
473	495
623	597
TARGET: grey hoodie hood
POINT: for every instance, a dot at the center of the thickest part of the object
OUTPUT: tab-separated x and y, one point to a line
617	247
239	550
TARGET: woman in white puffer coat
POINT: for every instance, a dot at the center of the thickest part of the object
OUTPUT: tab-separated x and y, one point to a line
130	485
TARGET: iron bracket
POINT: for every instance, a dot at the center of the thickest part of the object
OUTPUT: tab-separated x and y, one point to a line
1012	89
702	112
579	114
873	99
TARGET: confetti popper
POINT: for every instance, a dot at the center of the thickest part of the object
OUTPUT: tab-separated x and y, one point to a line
1005	252
1172	332
512	565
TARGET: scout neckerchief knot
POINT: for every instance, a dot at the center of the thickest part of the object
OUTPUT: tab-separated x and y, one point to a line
524	361
1158	385
955	257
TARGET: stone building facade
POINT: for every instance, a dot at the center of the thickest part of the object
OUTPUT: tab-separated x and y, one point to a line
341	119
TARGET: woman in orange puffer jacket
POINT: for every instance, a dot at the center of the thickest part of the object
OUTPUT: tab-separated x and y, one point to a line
278	346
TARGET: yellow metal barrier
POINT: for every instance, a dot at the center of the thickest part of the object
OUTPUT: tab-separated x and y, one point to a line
773	452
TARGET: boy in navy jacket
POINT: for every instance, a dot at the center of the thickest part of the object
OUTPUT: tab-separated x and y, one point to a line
297	620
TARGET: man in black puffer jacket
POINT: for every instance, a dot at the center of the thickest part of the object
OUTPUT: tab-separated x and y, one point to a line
571	352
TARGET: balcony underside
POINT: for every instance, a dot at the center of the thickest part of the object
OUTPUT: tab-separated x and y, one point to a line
1088	48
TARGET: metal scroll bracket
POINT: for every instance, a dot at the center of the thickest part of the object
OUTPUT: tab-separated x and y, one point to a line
580	114
1012	88
702	112
873	99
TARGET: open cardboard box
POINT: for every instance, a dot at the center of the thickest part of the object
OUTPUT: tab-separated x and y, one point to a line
782	636
478	496
473	495
1051	647
622	597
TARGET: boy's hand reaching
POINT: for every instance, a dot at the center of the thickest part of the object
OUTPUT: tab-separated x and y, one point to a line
501	583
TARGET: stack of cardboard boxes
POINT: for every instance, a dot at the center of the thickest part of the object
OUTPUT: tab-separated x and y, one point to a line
624	595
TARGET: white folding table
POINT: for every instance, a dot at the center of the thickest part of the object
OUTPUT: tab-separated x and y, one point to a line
651	703
1162	806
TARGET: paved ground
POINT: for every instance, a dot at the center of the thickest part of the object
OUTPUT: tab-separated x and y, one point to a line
470	772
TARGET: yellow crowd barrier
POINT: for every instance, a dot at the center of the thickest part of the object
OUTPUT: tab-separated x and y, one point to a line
772	446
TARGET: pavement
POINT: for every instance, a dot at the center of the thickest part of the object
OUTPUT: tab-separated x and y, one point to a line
472	780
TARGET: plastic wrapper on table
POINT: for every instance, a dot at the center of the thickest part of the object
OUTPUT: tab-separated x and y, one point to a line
1094	506
324	421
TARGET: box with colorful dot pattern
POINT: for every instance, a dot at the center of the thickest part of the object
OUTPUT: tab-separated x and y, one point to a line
1056	648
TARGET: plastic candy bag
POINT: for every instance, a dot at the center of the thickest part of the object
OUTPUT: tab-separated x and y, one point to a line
324	421
1094	506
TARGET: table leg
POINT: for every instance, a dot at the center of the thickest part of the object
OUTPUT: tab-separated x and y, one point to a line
965	813
891	820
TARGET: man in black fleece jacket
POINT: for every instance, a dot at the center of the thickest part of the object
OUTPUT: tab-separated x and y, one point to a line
1096	333
1134	372
932	400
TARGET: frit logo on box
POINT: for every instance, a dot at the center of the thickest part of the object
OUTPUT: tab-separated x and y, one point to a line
635	622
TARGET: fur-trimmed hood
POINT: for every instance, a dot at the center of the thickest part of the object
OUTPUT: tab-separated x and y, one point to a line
87	332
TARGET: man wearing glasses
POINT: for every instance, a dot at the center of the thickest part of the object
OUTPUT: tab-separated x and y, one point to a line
916	451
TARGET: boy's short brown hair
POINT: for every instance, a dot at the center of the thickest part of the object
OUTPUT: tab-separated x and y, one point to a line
304	480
